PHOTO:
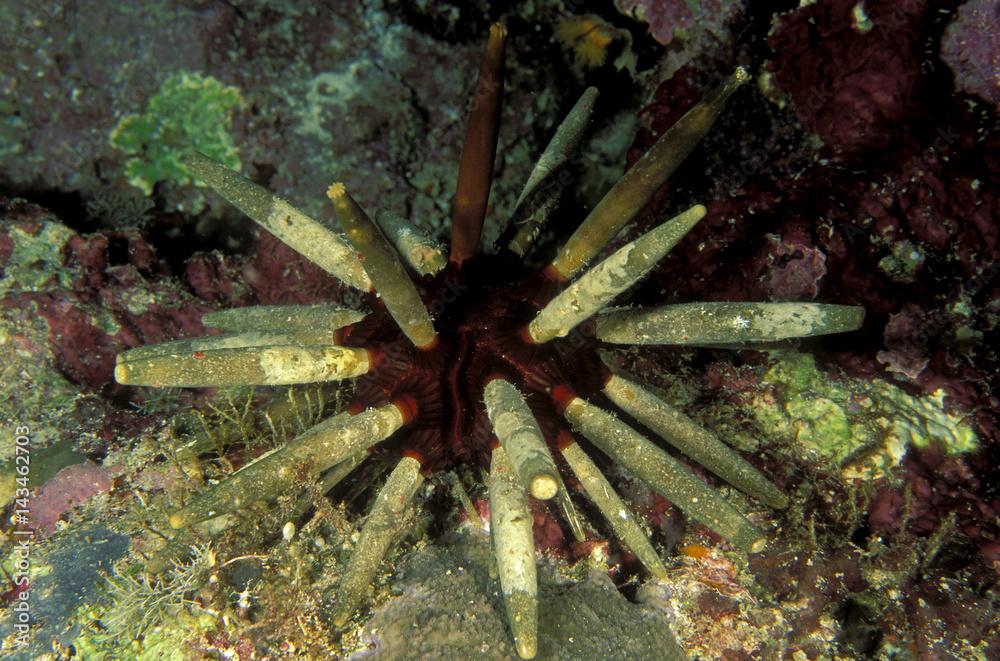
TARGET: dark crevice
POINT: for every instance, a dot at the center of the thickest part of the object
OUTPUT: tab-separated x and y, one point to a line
860	633
175	237
68	207
449	20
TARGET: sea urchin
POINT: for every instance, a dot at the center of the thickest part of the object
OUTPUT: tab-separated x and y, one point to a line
477	361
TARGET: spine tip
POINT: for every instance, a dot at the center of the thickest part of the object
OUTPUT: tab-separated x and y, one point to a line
336	191
544	487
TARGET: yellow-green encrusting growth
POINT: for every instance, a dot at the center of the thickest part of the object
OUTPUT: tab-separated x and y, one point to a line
520	436
862	427
723	323
312	452
514	548
234	360
634	190
662	473
314	240
602	283
380	530
37	259
692	439
389	278
617	514
541	192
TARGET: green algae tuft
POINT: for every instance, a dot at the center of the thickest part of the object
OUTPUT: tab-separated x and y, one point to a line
863	427
189	111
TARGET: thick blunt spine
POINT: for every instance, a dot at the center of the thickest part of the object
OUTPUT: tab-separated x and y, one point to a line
723	323
283	319
637	186
663	473
179	348
253	339
475	170
693	440
330	442
423	254
388	276
381	528
197	364
514	548
518	431
602	283
317	242
542	190
619	517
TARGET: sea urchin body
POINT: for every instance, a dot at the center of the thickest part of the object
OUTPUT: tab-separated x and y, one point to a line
480	361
